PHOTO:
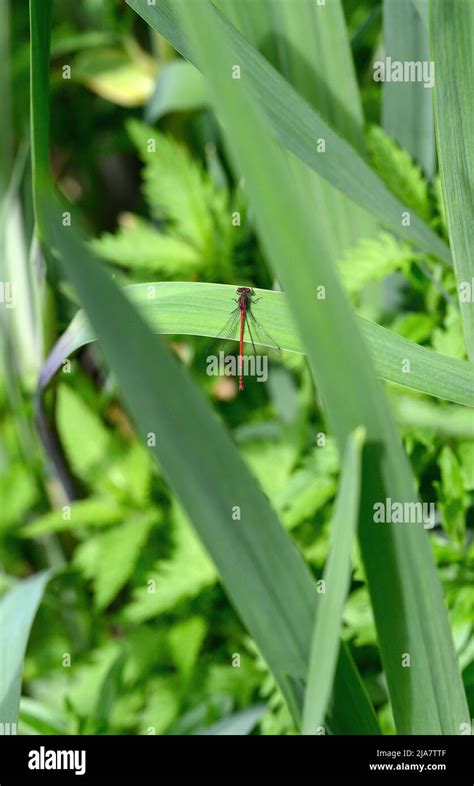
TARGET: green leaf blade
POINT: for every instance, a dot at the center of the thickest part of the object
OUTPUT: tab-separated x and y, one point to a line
18	608
408	106
452	32
325	642
200	309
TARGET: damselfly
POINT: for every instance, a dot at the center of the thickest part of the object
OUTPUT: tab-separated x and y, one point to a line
242	326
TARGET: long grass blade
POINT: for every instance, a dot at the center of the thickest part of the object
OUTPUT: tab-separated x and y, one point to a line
452	34
337	575
312	51
408	106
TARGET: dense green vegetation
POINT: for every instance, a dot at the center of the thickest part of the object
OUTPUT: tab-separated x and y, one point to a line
174	597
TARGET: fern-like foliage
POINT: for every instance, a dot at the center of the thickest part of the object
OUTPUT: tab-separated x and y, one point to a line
93	512
192	233
372	259
184	575
139	245
176	186
402	176
109	558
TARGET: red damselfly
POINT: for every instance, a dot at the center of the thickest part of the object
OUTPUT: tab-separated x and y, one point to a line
242	326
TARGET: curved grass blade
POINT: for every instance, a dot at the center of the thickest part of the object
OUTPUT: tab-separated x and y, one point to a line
200	309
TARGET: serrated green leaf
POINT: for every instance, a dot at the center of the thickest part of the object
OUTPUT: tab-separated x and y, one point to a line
372	259
79	687
91	512
239	682
83	434
133	474
303	496
270	459
137	244
402	176
466	455
18	492
176	187
119	549
185	640
108	695
452	502
182	193
161	707
184	575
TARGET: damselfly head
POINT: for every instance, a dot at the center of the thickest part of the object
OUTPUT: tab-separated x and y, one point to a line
244	291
